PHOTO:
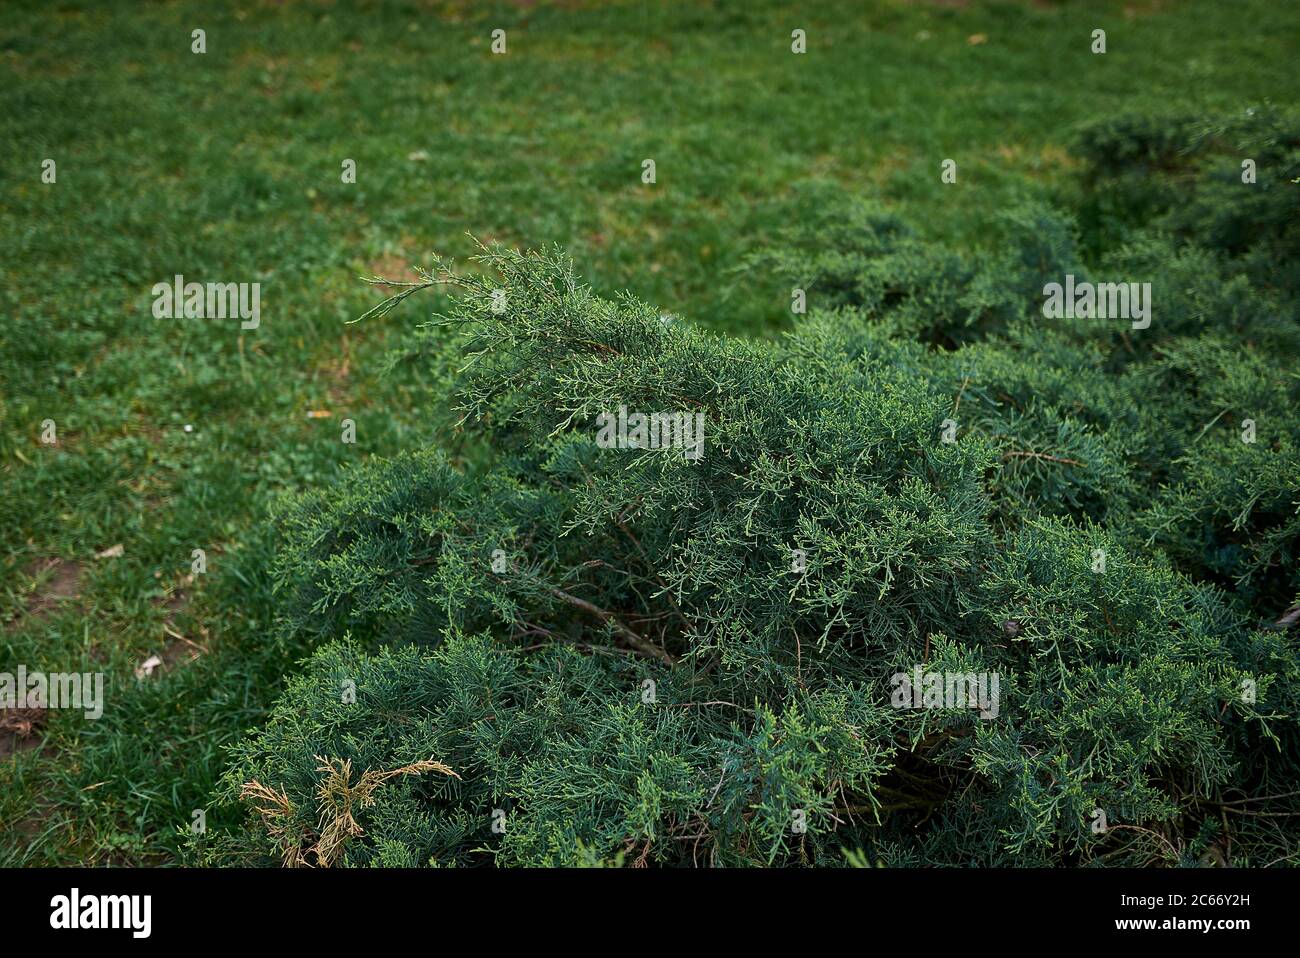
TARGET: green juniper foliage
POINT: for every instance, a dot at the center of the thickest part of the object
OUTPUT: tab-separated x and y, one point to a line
630	656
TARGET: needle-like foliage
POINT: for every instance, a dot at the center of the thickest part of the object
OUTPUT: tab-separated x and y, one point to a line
637	655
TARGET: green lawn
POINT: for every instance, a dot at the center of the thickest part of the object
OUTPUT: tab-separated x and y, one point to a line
225	167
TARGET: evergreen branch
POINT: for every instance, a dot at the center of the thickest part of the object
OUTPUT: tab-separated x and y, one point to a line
641	644
1015	454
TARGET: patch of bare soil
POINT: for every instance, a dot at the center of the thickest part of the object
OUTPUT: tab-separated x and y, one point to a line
20	730
392	266
62	583
1143	9
178	648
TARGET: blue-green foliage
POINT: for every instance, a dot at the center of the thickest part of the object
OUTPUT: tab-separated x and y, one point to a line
628	656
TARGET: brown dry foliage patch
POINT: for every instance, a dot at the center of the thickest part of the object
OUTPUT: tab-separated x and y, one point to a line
337	799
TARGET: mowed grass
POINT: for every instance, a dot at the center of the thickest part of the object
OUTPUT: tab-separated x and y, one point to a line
225	167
